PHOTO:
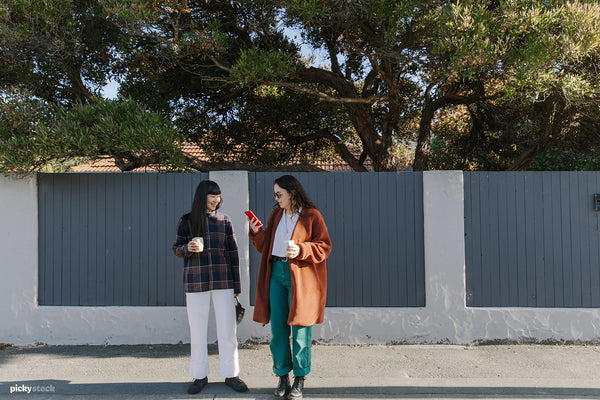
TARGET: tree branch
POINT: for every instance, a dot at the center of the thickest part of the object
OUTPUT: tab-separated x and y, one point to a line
206	166
335	65
347	156
218	64
326	97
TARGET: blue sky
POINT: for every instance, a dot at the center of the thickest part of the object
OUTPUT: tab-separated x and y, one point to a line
110	91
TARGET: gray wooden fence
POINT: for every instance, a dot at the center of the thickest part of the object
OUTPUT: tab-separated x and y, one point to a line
105	239
375	221
532	239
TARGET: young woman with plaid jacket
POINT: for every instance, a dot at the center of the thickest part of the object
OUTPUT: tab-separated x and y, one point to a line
211	270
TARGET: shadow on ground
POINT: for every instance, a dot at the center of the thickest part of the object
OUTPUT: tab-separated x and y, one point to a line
66	388
144	351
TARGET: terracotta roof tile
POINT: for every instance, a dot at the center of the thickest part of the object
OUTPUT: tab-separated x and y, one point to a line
104	165
108	164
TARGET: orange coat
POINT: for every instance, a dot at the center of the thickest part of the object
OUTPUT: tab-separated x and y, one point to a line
308	270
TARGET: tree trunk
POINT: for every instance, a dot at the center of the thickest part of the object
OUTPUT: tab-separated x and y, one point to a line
383	160
421	162
80	91
553	108
356	164
378	148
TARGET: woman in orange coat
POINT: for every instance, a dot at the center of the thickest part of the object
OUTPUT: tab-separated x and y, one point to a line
292	281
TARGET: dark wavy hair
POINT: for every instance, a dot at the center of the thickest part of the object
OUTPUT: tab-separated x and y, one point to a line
198	214
298	195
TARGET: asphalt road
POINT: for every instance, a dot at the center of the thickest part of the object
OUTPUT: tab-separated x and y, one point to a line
339	372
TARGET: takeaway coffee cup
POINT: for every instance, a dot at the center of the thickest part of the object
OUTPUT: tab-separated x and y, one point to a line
200	241
288	243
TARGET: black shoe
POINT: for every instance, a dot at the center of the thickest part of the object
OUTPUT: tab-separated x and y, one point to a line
236	384
297	391
197	385
283	388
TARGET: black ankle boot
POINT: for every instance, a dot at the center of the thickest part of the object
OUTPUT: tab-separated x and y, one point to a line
297	391
283	388
198	385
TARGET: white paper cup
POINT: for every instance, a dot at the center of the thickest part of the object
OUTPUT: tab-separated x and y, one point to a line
288	243
200	241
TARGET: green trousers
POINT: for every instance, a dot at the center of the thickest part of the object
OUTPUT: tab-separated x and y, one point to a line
297	357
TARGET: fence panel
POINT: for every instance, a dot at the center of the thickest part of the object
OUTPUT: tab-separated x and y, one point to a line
532	239
375	221
105	239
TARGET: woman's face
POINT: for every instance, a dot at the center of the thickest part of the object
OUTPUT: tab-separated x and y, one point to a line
212	202
282	197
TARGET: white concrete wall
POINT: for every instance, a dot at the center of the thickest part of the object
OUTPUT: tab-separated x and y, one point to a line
444	319
440	320
24	322
445	277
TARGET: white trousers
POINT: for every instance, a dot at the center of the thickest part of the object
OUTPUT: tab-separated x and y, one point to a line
198	308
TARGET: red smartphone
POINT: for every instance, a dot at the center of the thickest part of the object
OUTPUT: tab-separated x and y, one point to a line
251	216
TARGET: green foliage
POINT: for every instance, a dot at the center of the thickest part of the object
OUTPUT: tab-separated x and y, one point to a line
440	157
537	62
52	47
495	83
19	116
293	129
255	65
121	129
533	47
565	160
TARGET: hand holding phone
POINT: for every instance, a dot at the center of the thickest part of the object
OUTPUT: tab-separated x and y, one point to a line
252	217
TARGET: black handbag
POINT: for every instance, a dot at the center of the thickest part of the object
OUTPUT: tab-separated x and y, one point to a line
239	311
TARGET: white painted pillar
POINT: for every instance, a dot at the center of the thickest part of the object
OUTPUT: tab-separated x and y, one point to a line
236	200
444	239
19	250
443	212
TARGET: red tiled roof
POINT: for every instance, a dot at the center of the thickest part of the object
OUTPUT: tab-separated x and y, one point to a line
192	149
104	165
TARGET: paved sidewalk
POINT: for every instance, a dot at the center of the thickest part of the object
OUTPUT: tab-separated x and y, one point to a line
339	372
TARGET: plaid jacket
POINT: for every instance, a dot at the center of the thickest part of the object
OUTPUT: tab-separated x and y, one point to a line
218	266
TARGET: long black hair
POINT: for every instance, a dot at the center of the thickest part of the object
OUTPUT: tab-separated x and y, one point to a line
198	214
298	195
